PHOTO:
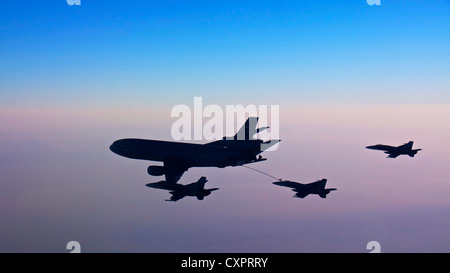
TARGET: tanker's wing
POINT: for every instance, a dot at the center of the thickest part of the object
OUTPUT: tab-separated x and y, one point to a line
174	170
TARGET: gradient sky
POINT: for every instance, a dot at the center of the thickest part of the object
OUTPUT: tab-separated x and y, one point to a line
115	53
346	75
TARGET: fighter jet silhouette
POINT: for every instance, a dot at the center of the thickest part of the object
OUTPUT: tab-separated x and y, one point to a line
178	157
179	191
303	190
393	152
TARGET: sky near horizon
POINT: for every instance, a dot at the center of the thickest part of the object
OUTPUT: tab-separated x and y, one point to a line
345	75
61	183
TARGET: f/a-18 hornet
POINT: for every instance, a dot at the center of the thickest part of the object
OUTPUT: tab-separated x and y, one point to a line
393	152
178	157
179	191
303	190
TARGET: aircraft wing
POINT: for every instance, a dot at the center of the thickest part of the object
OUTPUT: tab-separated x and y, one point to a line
392	154
381	147
301	193
176	195
161	185
174	170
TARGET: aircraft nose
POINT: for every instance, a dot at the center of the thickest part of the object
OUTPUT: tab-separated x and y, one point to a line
114	147
111	147
121	147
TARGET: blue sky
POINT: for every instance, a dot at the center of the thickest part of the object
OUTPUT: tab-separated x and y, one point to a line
107	53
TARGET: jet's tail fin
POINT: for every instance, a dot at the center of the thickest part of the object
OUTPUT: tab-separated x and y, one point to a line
320	184
201	182
248	130
319	187
409	144
247	133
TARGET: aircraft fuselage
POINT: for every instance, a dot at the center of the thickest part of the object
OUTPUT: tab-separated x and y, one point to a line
296	185
405	149
195	155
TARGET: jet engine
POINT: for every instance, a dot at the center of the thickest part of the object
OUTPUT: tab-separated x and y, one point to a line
156	170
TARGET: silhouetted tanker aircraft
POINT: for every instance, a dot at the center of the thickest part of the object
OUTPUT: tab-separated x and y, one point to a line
179	191
178	157
302	190
393	152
